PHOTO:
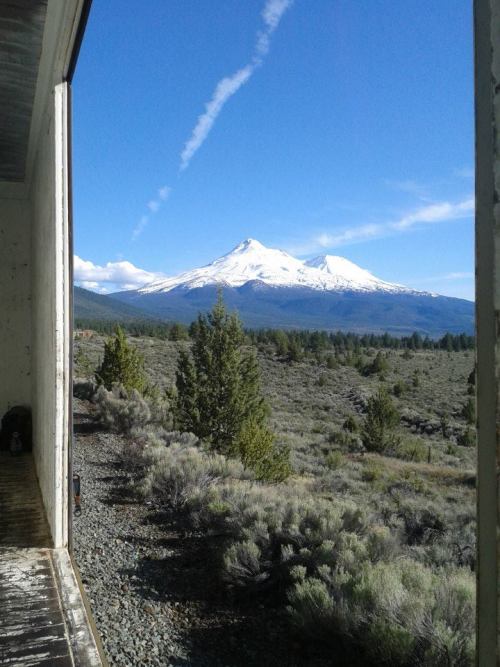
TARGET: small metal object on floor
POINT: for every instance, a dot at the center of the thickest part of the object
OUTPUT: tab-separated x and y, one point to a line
43	620
76	494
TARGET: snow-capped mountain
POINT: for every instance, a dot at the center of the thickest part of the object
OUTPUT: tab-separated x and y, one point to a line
270	288
252	261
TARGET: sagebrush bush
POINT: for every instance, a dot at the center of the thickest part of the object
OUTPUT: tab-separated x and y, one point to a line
467	438
121	410
399	388
179	471
335	460
398	613
469	411
288	526
301	539
412	450
84	389
351	424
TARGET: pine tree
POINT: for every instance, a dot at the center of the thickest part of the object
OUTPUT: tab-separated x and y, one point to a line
122	363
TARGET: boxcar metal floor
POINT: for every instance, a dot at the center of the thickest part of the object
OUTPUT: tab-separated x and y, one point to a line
43	621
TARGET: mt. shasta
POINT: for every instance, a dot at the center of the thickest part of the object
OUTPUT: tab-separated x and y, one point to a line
270	288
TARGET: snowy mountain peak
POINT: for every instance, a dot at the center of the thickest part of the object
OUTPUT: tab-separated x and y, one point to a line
343	269
250	261
248	244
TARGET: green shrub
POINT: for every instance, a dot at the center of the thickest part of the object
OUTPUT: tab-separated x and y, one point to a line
399	388
444	424
412	450
331	362
322	380
121	410
83	366
469	411
467	438
122	364
380	422
395	613
84	389
351	424
378	365
177	472
257	450
335	460
371	472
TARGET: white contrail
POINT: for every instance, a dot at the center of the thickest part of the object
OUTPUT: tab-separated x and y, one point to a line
154	206
229	85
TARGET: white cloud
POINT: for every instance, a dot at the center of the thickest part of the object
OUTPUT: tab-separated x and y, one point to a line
424	215
452	276
229	85
458	275
118	275
362	233
409	186
440	212
153	205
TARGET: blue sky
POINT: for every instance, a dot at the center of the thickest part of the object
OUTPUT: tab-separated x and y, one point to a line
326	126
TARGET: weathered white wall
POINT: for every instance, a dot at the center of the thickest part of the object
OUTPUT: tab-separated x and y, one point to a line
50	315
15	295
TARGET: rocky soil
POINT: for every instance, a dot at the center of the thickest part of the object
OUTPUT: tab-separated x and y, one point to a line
151	585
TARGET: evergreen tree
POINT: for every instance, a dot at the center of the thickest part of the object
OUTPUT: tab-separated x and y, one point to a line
380	422
281	340
178	332
122	363
257	450
295	352
378	365
218	390
186	399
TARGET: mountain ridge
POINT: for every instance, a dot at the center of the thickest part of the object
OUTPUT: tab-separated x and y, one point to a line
270	288
251	260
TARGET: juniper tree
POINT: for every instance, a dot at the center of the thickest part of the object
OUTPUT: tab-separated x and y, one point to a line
378	365
380	422
122	363
218	385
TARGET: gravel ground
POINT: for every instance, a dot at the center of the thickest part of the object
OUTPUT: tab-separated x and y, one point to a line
110	541
151	586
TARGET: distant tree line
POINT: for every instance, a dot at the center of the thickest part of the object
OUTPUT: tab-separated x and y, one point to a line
151	328
291	342
319	341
